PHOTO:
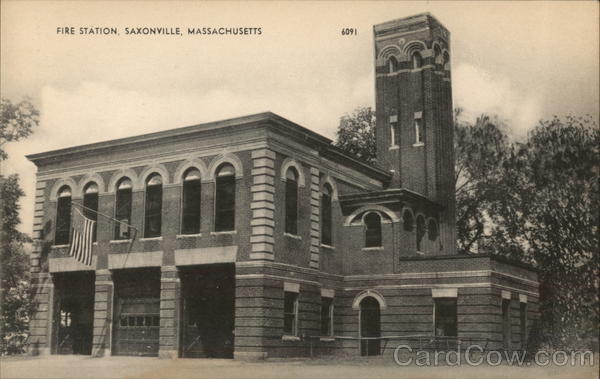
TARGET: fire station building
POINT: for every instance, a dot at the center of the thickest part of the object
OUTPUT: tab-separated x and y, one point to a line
255	237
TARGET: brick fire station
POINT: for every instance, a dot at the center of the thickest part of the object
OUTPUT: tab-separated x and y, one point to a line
255	237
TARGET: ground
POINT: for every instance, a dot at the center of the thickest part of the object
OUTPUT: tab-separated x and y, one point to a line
82	367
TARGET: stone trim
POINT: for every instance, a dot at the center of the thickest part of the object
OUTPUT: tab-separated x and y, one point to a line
262	205
315	212
444	292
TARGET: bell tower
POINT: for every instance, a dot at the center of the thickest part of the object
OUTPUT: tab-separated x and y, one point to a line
414	113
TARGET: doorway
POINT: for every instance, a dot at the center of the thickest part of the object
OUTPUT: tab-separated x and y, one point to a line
208	309
370	326
74	312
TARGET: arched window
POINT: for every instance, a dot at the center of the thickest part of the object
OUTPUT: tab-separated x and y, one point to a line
63	216
373	230
90	204
432	230
408	220
392	64
437	54
416	59
153	211
420	232
446	61
326	219
291	201
225	198
190	213
123	209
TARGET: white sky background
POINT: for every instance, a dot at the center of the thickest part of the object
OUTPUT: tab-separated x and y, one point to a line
521	61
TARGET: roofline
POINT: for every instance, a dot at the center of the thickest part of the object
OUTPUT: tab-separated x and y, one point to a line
327	145
399	192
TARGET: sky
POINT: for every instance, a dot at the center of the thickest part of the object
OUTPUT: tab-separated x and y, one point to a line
521	61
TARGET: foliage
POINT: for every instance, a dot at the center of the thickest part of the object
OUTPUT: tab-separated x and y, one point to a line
536	201
17	121
356	134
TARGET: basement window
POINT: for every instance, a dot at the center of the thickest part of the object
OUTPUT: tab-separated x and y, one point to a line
445	316
290	313
326	316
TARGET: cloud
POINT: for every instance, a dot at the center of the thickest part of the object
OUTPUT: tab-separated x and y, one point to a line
478	91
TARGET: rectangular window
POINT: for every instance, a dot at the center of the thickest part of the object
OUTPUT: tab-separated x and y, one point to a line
190	223
523	324
326	316
291	207
153	211
393	128
63	221
419	131
225	204
290	313
506	326
123	213
445	316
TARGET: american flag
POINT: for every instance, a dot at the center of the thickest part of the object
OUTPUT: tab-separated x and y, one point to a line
83	231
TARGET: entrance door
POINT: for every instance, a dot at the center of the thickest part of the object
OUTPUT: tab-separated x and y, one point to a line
74	314
208	311
370	326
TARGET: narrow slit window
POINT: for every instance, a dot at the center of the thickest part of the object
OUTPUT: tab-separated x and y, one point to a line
326	217
90	204
373	230
225	199
63	216
291	201
392	65
153	207
393	140
417	61
419	131
190	215
523	323
123	209
506	323
420	232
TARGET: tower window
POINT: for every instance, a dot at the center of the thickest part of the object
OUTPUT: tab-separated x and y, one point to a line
225	199
326	219
153	208
393	141
291	201
419	131
90	204
446	61
373	230
123	209
420	232
190	215
63	216
408	220
417	61
392	65
432	230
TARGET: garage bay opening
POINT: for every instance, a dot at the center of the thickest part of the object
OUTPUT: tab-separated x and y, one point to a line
208	301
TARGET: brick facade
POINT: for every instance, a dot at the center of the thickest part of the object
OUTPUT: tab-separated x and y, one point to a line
411	193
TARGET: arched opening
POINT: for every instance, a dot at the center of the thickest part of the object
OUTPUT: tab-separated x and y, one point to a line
225	198
291	201
153	206
407	216
392	64
190	213
437	54
123	208
432	230
370	326
373	230
90	205
417	61
63	216
326	218
446	61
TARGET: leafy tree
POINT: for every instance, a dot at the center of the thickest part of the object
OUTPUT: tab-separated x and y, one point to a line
356	134
16	122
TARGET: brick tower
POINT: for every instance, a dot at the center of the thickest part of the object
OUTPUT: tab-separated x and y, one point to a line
414	112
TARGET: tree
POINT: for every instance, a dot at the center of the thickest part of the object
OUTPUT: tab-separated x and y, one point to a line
16	122
356	134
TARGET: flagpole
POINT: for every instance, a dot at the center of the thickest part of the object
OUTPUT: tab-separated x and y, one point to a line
106	216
